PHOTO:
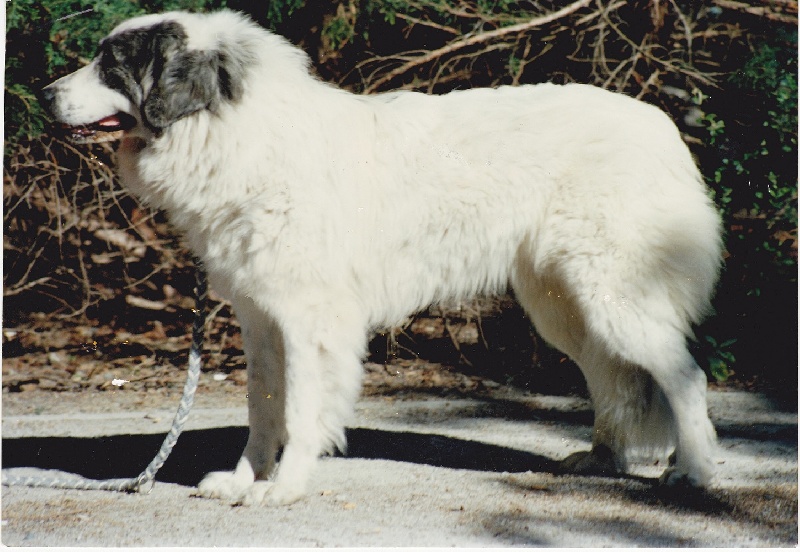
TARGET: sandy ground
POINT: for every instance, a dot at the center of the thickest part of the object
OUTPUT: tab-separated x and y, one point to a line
423	472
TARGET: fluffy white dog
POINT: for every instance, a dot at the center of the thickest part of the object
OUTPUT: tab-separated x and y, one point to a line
323	215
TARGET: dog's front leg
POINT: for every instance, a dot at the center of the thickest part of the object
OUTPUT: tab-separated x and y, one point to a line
323	344
305	440
263	345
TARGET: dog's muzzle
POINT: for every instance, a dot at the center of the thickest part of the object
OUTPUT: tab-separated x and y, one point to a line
106	129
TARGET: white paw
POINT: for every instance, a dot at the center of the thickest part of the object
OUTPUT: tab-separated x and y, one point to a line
224	485
674	477
271	494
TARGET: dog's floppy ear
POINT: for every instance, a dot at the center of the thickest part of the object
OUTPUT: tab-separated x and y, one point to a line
188	82
191	80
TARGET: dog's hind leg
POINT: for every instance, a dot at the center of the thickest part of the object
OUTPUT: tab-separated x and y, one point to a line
559	320
684	385
647	392
263	345
667	391
631	413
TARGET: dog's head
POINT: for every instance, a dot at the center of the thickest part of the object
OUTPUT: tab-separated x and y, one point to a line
150	72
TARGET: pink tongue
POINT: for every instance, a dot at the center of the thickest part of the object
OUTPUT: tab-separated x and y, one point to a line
111	121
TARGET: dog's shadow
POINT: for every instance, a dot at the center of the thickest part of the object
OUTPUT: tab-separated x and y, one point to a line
201	451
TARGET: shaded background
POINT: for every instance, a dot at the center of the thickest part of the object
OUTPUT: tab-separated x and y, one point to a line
93	281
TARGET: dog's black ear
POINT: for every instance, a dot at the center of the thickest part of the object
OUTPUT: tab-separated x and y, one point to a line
189	81
192	80
233	64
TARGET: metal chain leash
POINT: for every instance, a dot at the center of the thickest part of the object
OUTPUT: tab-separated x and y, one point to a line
135	484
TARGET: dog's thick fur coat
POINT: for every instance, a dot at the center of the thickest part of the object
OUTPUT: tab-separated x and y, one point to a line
322	215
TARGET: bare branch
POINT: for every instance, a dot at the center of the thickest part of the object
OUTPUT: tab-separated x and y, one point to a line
787	13
25	287
473	40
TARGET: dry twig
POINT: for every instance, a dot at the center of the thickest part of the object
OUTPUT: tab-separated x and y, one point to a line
781	11
473	40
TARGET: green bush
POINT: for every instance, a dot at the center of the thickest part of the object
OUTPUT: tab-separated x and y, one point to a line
751	164
757	173
50	40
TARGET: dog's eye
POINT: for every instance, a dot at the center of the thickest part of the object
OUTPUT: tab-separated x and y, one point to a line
115	68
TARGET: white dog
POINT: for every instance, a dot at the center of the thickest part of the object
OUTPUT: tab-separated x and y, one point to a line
323	215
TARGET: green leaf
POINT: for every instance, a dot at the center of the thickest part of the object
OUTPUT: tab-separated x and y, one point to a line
719	369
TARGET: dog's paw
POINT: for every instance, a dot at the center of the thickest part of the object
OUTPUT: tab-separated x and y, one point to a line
673	477
271	494
223	485
598	461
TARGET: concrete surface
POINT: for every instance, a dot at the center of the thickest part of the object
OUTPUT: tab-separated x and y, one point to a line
462	472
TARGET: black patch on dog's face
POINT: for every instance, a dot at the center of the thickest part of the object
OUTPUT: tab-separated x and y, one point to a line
126	58
154	69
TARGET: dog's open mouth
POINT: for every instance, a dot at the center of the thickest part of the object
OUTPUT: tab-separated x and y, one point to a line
106	129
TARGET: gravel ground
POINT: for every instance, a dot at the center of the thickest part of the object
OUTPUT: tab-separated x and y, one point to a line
419	472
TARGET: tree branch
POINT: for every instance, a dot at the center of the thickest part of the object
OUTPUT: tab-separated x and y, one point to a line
476	39
787	13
